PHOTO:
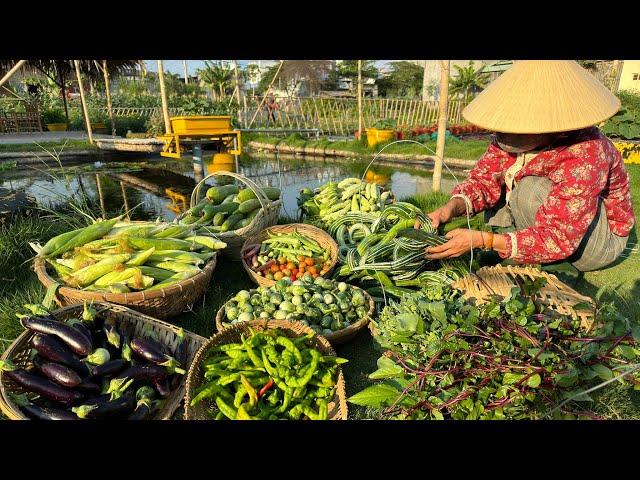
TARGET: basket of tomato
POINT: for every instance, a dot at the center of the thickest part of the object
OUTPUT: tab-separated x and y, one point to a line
289	251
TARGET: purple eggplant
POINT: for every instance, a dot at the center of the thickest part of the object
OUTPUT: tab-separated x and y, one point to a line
104	408
69	335
36	412
53	349
145	348
145	405
81	327
146	371
110	368
142	411
42	386
60	374
162	386
89	387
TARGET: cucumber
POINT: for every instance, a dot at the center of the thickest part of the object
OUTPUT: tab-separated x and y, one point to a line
229	198
218	194
218	219
272	193
249	205
253	214
243	223
211	210
230	222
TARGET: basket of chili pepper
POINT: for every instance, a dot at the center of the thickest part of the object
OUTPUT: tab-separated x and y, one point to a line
269	370
289	251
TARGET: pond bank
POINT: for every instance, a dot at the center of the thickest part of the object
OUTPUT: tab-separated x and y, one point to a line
323	151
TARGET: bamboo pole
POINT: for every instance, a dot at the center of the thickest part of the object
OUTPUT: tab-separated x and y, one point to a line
107	89
85	110
62	90
186	72
425	83
359	98
266	93
237	78
13	70
442	124
163	96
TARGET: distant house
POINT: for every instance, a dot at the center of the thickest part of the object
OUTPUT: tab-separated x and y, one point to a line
495	69
629	75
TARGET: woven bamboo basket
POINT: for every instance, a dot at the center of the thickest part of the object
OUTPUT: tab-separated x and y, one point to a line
164	303
266	217
337	407
18	352
500	279
323	238
336	338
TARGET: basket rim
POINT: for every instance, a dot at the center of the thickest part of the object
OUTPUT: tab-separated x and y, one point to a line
41	271
340	396
333	337
11	410
333	247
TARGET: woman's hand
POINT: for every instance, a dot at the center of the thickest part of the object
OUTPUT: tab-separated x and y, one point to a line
461	241
445	213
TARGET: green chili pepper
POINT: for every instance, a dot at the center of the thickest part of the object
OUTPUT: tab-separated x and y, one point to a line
289	345
252	355
226	410
286	401
296	411
240	393
274	398
304	379
331	360
219	416
270	370
253	395
228	346
299	392
227	379
302	340
234	353
309	412
208	391
323	411
242	414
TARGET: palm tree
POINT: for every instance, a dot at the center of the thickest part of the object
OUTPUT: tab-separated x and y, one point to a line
468	82
217	76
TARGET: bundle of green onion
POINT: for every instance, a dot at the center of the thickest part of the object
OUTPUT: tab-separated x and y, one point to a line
120	257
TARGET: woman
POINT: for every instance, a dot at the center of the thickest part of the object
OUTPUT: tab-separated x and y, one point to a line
550	179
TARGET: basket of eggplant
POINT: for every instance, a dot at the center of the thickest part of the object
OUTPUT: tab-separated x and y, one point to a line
95	361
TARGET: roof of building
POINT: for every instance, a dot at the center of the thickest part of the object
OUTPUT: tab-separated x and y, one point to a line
499	66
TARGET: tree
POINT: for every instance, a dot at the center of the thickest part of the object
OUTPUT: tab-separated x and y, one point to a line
311	73
404	80
468	82
349	69
218	77
266	78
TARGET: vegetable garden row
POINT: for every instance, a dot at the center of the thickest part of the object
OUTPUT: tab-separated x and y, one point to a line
356	262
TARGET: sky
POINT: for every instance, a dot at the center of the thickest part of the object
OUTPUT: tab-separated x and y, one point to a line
175	66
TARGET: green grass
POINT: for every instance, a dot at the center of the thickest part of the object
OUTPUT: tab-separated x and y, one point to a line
69	146
19	285
462	149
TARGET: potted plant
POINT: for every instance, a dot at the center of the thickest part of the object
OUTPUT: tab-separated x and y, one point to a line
381	131
54	120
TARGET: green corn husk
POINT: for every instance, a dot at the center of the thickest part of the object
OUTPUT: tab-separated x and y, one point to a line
175	266
210	242
141	257
100	244
140	282
176	256
88	275
171	231
159	274
114	277
119	288
175	278
141	243
56	242
87	234
126	228
61	270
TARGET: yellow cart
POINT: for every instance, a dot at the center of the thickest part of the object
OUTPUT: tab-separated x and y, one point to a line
196	130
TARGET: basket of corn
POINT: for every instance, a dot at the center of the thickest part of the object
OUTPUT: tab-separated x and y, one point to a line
44	376
271	370
160	269
289	251
231	212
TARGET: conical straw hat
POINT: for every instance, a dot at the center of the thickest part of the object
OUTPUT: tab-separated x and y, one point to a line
542	96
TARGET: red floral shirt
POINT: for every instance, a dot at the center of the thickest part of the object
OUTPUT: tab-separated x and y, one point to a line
582	167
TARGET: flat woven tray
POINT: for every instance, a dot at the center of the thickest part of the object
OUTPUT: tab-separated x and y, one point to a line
499	280
18	352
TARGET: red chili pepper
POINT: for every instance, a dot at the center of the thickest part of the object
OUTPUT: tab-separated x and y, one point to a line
264	389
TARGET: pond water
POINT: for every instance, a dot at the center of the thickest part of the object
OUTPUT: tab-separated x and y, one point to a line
161	187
